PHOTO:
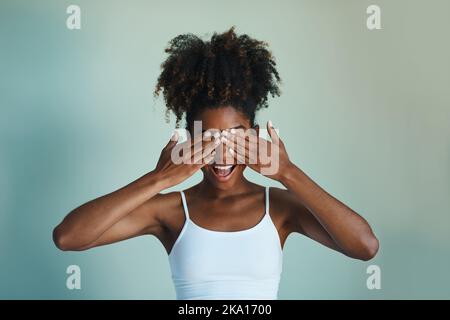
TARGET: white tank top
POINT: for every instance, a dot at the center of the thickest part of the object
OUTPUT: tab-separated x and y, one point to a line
246	264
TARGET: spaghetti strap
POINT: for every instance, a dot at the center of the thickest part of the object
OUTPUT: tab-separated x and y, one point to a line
183	199
267	199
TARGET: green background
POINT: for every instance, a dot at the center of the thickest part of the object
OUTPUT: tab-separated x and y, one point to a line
364	113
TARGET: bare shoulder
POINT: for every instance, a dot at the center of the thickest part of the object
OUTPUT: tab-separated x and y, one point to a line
167	214
281	199
283	204
166	199
167	207
168	210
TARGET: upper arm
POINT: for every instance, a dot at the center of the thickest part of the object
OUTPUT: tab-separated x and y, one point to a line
301	220
142	220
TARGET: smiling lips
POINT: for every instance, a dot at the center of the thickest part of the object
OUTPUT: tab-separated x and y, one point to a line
223	171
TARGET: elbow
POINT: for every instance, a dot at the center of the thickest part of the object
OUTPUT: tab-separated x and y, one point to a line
370	247
61	240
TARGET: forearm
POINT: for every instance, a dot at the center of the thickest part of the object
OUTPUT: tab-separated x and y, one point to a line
348	229
90	220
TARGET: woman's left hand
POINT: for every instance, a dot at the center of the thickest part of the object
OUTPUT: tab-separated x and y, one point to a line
268	158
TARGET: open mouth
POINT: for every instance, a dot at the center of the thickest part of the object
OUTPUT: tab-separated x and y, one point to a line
223	171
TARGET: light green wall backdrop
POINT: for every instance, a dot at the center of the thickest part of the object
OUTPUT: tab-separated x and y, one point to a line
364	113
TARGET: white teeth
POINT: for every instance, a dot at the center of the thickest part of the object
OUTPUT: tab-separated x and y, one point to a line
223	167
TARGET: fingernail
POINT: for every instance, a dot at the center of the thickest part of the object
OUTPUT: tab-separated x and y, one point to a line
174	136
216	135
224	133
224	140
270	124
207	134
233	131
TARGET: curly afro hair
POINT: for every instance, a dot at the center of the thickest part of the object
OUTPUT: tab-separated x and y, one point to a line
230	70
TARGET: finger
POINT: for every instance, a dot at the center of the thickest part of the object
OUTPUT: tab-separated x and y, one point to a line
207	134
251	146
207	159
251	143
245	155
272	132
209	148
198	143
173	140
242	138
210	158
232	139
195	148
251	152
251	157
211	134
239	158
231	145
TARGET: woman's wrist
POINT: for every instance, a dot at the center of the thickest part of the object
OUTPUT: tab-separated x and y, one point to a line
154	181
288	173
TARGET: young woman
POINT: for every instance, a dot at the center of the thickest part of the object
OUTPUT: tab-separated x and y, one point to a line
224	236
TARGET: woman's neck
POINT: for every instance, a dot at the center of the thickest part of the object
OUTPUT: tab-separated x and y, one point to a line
208	190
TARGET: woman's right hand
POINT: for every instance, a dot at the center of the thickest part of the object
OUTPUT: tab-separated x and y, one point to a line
174	167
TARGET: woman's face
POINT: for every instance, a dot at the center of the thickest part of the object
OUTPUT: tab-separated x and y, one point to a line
223	172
